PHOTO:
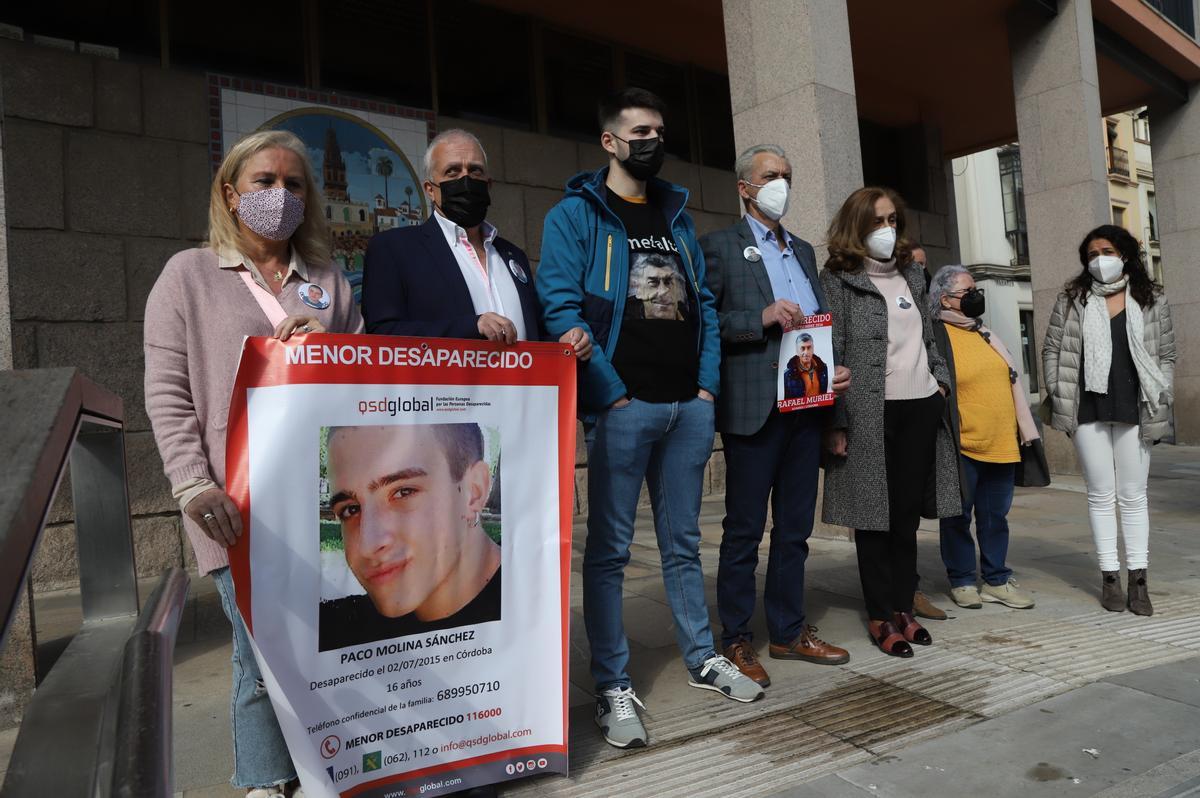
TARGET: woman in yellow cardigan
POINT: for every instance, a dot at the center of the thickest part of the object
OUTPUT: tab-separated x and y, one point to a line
990	417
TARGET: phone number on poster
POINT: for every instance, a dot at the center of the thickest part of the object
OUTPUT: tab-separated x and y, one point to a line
468	689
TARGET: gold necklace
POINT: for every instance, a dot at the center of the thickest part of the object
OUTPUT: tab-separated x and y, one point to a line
278	275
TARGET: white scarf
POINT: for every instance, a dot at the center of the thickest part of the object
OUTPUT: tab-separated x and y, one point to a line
1097	344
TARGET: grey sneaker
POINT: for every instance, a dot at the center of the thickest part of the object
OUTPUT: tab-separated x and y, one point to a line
721	675
966	596
1009	594
618	719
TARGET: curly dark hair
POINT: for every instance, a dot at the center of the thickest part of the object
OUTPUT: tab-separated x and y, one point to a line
1141	286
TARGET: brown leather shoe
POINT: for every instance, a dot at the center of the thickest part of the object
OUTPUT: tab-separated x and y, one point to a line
811	648
743	656
924	608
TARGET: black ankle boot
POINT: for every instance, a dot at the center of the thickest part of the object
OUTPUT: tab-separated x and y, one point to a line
1139	593
1111	598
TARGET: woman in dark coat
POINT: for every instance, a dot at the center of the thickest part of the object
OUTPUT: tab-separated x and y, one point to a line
893	456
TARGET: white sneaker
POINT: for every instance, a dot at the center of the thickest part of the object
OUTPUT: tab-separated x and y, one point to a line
721	675
1009	594
266	792
966	596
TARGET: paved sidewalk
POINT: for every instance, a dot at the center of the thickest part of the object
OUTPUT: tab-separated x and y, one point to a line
986	667
1003	704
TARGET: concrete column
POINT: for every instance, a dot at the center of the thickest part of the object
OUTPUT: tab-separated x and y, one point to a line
791	83
1062	154
1176	140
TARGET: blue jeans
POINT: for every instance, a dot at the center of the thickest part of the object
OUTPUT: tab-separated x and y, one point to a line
669	445
778	463
989	489
260	756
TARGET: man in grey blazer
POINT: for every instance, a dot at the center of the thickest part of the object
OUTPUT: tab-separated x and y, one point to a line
765	282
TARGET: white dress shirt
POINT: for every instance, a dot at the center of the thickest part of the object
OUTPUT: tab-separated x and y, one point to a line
490	282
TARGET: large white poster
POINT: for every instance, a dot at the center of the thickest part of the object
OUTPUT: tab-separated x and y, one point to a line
405	571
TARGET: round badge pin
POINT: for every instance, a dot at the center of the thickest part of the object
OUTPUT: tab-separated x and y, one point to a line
752	254
517	271
313	295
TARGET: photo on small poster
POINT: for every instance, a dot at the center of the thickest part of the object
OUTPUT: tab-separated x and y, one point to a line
410	531
806	365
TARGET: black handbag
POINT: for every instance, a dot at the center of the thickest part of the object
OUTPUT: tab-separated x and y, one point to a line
1033	471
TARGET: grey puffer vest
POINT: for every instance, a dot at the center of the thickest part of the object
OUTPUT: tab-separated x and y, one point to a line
1061	356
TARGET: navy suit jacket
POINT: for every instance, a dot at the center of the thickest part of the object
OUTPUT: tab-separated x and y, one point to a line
412	285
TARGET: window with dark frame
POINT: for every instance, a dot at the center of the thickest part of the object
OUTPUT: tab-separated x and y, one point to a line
1027	353
200	38
669	82
1012	193
577	73
484	64
376	49
714	119
132	26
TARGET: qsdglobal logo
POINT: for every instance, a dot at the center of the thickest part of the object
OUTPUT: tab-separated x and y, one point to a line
391	407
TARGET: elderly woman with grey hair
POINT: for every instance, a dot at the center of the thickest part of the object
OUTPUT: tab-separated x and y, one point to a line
990	419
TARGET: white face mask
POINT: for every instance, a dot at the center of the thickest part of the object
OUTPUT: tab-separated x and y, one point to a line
882	243
772	198
1106	268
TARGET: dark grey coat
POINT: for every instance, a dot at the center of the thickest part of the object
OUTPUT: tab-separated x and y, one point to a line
749	354
856	493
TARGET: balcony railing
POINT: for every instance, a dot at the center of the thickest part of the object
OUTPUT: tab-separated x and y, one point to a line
1118	162
1181	12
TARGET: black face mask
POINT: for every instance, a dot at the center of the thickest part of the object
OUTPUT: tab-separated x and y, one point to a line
971	303
645	157
465	200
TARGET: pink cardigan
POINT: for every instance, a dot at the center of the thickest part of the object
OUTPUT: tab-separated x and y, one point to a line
196	317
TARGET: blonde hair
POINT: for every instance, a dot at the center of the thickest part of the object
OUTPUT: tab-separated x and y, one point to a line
311	239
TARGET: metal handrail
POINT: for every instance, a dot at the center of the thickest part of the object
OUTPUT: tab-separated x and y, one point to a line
106	702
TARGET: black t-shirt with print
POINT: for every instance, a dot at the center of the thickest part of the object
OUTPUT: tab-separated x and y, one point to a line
656	355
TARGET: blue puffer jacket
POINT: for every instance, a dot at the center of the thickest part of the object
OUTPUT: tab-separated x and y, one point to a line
583	278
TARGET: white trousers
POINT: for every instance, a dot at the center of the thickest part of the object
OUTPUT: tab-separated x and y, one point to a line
1116	465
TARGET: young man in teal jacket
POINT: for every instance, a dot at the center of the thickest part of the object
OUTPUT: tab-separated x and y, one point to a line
620	259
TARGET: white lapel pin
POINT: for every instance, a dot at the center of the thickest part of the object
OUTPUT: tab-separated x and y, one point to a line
517	271
752	254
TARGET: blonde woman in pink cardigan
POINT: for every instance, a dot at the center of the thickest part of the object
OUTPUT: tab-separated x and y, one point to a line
265	270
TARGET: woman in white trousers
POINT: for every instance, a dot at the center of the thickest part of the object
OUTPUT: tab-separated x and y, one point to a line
1109	363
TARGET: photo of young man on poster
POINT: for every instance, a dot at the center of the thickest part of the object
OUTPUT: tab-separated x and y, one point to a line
410	503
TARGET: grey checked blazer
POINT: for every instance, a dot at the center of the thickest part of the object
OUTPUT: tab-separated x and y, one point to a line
749	354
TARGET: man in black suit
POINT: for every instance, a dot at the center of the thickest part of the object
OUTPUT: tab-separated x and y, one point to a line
765	282
454	276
